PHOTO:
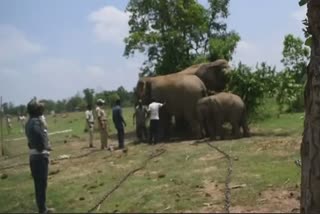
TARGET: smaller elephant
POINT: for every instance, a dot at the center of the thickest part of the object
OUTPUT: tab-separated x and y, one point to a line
213	111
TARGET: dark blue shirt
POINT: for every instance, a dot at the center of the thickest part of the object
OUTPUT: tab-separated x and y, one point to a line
117	117
36	134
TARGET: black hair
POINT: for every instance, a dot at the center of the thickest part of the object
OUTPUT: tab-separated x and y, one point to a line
35	109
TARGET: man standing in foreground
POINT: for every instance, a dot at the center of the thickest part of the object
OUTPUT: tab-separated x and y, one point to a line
102	122
90	124
139	118
119	123
154	121
38	144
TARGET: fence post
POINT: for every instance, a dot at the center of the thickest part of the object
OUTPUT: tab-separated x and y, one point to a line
1	127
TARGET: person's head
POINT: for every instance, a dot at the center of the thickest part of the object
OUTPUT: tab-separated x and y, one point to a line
89	107
152	99
100	102
118	102
35	108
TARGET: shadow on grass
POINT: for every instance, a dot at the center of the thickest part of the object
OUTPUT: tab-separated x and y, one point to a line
271	134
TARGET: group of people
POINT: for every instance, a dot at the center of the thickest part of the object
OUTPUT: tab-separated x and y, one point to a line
39	145
140	118
21	120
117	118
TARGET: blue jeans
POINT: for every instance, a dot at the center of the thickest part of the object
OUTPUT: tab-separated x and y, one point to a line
154	131
120	132
39	170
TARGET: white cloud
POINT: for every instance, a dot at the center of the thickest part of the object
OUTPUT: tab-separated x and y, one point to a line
14	44
251	53
110	24
56	77
299	14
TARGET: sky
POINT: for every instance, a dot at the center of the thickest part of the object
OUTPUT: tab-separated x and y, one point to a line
55	49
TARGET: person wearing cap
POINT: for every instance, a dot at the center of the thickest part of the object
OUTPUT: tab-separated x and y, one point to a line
102	123
139	119
39	150
119	123
153	111
90	123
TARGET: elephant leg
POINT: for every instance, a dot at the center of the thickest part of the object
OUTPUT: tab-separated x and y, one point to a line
235	130
212	131
219	129
165	125
221	132
180	125
194	125
203	126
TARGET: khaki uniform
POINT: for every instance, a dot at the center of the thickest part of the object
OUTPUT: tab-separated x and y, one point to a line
90	125
102	123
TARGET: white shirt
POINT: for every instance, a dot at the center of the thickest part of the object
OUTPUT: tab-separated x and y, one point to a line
154	110
89	116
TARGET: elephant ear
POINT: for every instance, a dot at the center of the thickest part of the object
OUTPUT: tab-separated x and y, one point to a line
140	88
214	74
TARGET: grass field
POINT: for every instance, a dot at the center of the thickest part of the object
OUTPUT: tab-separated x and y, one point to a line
188	177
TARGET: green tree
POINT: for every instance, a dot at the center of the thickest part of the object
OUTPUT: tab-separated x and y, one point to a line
292	79
174	33
289	92
89	96
75	103
124	96
295	57
50	105
253	85
60	106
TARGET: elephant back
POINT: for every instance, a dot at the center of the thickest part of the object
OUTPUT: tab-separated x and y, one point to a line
191	70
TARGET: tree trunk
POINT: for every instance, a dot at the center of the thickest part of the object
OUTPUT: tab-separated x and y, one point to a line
310	147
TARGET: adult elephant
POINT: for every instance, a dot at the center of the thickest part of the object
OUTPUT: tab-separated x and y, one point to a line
223	107
181	94
213	74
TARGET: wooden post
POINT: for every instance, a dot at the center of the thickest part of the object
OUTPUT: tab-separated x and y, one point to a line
1	127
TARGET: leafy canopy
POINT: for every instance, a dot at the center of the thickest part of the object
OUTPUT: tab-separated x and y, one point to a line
295	57
173	34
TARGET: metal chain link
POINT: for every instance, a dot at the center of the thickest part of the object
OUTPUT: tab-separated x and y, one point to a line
153	155
227	192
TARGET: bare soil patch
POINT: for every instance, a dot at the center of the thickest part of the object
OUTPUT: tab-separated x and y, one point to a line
272	201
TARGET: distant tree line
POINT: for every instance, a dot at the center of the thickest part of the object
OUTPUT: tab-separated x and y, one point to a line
77	102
